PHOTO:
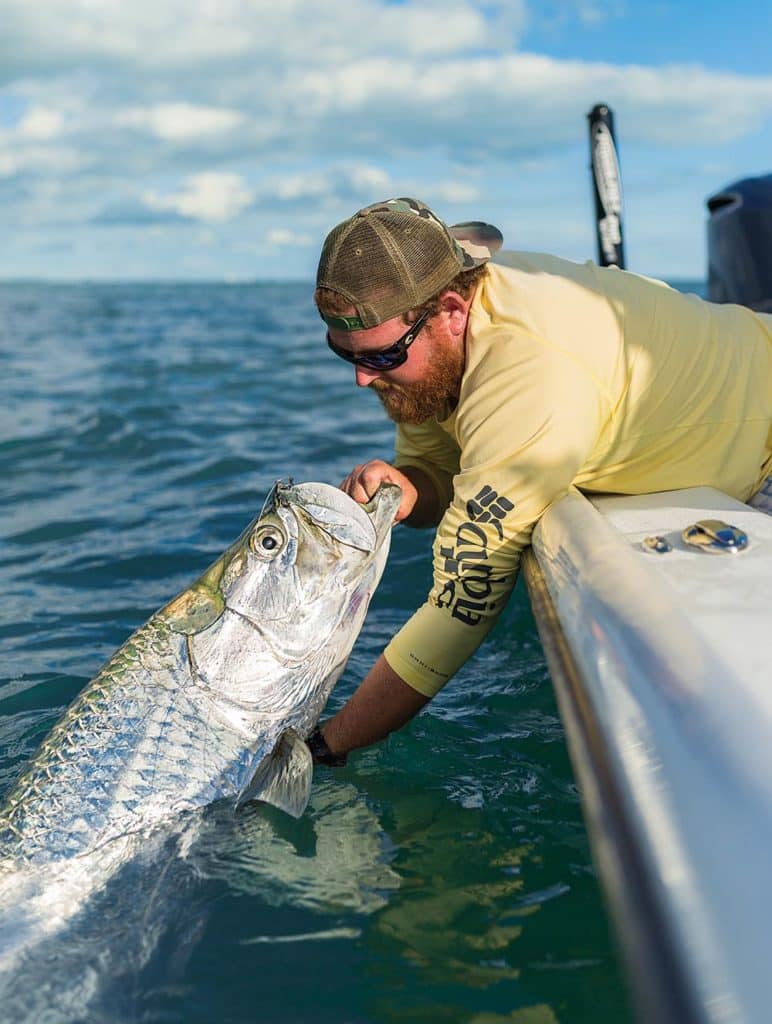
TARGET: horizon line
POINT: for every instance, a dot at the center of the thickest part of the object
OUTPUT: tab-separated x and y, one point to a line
235	282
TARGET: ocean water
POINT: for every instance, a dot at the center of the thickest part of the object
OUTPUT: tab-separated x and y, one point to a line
444	875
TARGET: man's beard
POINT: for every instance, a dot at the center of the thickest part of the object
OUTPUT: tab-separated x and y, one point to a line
427	399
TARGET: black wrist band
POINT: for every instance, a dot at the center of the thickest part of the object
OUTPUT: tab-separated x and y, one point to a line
321	753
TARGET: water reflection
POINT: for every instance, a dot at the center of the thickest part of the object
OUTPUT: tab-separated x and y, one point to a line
334	859
459	911
103	922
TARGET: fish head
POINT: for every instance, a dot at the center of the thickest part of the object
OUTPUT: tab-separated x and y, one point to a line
311	544
271	624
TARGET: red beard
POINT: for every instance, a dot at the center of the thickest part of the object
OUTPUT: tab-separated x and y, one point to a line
430	398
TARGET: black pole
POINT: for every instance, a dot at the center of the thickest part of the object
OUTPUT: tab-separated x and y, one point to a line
607	187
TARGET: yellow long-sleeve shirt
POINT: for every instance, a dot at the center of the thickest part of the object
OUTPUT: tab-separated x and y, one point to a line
576	375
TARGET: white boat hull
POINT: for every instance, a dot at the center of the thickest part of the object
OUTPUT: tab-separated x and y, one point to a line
667	700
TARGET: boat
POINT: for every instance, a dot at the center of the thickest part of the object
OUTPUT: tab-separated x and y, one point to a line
654	614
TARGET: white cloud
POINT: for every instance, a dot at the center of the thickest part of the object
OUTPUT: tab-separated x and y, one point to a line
305	185
210	196
215	111
283	236
44	162
348	95
56	34
369	180
515	102
456	192
348	180
180	122
41	123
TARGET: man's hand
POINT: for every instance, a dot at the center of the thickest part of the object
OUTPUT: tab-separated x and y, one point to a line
364	480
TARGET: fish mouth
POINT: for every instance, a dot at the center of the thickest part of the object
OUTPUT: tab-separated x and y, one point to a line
364	527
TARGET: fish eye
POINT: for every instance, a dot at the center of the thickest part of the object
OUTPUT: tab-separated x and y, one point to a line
267	542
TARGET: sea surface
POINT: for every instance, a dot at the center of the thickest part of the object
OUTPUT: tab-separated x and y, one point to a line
442	876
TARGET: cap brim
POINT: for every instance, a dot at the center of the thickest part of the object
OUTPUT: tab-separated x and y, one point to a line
478	239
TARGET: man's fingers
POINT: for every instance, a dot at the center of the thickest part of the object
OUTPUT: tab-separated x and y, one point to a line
354	487
364	480
350	481
360	492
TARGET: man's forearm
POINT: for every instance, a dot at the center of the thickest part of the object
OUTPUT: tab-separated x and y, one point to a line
382	703
426	511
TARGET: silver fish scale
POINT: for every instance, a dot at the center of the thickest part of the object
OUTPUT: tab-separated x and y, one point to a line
138	733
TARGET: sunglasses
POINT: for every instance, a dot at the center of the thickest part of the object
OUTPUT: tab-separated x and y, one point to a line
388	358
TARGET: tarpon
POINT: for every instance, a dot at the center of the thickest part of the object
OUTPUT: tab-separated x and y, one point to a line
211	699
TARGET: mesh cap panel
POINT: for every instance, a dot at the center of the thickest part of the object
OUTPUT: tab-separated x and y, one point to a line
391	257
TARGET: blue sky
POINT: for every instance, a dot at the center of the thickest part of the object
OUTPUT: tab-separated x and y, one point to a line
177	139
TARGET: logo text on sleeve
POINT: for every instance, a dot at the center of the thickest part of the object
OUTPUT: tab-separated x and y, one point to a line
467	593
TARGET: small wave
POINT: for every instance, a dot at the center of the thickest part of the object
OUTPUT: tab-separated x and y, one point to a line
322	936
55	530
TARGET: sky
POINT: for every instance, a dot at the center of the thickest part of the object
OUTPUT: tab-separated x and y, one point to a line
222	139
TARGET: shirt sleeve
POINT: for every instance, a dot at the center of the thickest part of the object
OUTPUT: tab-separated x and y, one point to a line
528	418
431	449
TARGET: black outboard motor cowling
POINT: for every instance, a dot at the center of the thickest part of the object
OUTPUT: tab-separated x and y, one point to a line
740	244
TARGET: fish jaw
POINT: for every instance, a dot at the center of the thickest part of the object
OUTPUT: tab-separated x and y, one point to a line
360	526
382	509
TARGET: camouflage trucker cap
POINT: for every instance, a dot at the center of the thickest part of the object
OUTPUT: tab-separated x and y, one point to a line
392	256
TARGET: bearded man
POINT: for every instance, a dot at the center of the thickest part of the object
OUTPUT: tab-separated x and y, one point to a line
510	384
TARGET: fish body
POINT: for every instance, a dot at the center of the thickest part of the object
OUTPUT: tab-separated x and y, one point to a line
212	698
